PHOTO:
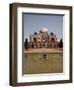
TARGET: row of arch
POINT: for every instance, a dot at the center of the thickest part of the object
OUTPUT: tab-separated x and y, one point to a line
43	45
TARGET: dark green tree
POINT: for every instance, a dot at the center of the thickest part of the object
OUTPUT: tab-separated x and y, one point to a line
26	44
61	43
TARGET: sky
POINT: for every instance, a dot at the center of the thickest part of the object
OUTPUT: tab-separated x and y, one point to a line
34	22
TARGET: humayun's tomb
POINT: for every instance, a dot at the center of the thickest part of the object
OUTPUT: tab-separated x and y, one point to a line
43	39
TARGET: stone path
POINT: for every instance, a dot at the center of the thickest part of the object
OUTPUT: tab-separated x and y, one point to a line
43	50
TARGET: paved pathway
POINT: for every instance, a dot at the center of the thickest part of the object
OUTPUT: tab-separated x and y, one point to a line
43	50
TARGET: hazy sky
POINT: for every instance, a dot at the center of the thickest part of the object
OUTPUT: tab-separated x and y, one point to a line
34	22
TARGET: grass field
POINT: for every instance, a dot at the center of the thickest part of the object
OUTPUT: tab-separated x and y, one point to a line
34	63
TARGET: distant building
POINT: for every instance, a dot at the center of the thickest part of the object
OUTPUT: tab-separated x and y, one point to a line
43	39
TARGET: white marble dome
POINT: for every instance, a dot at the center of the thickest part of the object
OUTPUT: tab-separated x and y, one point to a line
44	29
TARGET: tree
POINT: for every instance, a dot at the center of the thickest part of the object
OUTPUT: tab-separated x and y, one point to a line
26	44
61	43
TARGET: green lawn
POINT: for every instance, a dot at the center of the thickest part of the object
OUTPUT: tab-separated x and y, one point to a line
34	63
